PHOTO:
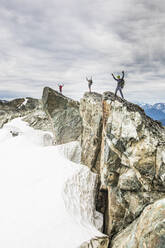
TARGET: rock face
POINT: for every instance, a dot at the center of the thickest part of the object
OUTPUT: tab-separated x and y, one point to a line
16	108
132	164
29	107
119	143
91	113
98	242
63	114
38	119
147	231
132	161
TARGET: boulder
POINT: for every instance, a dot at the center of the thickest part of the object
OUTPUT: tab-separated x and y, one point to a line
146	231
63	114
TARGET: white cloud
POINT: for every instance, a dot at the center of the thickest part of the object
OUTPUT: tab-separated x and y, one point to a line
43	42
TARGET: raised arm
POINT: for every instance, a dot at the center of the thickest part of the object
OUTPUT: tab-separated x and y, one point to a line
114	77
123	74
89	80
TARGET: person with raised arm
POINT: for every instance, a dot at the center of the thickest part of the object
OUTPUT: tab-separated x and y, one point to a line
60	87
120	84
90	82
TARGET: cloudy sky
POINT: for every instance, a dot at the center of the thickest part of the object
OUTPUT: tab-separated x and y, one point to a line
43	42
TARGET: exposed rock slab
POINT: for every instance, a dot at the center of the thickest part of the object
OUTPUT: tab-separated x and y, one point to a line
132	167
98	242
132	161
63	114
38	119
17	108
147	231
91	113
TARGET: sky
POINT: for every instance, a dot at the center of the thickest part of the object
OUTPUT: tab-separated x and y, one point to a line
44	42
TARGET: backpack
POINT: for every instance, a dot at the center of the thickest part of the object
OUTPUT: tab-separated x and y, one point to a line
122	83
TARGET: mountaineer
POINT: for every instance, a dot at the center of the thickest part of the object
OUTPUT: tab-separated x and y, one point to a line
90	82
60	87
120	84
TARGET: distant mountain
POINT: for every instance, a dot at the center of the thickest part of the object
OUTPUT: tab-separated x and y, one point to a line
163	122
160	106
155	111
3	101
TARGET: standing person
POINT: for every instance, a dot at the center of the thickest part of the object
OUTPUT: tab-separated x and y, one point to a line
60	87
120	84
90	82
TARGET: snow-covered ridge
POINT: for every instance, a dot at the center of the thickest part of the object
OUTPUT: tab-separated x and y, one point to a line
24	103
155	111
46	200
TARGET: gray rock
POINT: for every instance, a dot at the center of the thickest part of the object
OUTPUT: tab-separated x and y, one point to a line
38	119
146	231
63	114
17	108
91	113
97	242
14	133
132	163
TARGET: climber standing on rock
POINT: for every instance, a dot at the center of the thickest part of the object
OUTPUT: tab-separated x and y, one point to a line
60	87
120	84
90	82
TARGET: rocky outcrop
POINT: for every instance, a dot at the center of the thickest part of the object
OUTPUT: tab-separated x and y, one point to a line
38	119
119	143
132	161
16	108
98	242
29	108
19	105
63	114
91	113
132	164
146	231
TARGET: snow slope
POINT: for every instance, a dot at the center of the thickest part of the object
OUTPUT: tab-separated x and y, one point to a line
34	180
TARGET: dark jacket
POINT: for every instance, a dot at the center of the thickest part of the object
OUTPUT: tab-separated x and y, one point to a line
120	81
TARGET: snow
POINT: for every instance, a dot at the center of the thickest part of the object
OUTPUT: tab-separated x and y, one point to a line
35	209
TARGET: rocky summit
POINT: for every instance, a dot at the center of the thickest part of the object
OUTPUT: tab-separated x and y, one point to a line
123	146
63	114
131	166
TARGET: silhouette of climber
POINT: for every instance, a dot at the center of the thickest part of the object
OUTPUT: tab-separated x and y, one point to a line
60	87
90	82
120	84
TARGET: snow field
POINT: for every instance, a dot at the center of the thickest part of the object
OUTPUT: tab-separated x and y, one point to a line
35	209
